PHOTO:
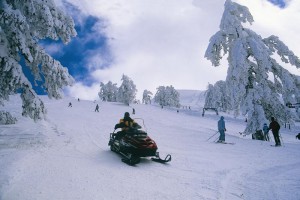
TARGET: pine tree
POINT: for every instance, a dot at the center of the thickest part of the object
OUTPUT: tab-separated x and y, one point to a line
127	91
159	96
209	97
256	83
22	25
167	96
216	97
147	97
108	92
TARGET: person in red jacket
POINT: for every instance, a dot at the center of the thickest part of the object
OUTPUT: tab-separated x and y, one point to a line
274	126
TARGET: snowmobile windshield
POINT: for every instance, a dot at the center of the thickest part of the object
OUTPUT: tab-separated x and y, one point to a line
139	124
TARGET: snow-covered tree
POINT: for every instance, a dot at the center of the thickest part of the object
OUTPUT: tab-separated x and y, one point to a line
147	95
22	25
108	92
256	83
216	97
159	96
7	118
127	91
209	97
167	96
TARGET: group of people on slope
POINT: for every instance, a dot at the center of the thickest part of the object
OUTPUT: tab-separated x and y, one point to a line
274	126
128	124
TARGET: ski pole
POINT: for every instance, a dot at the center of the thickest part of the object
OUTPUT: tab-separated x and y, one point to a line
212	136
217	139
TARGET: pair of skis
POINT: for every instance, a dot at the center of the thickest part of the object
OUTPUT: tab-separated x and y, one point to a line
223	142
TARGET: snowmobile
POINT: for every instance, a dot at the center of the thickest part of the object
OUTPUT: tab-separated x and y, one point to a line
134	144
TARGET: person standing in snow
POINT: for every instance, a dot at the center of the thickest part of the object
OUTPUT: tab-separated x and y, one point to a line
97	108
266	132
222	129
274	126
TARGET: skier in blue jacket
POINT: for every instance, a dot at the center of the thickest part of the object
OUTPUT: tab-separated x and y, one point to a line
266	132
222	129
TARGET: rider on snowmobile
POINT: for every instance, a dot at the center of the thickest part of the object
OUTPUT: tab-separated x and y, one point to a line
127	124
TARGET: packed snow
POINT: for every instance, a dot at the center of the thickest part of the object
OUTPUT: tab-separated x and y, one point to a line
67	156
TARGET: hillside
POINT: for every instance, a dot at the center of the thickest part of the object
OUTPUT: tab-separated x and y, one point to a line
193	98
67	157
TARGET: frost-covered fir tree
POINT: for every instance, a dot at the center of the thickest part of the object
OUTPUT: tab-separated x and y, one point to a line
7	118
159	96
127	91
167	96
108	92
209	97
22	25
147	95
216	97
256	83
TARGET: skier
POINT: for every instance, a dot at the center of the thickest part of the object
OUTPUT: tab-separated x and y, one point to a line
133	111
266	132
70	104
274	126
222	129
97	108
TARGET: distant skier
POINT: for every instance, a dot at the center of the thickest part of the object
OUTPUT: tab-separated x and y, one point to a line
133	111
222	129
97	108
274	126
266	132
70	104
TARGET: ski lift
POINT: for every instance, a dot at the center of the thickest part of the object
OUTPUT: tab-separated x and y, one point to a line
214	109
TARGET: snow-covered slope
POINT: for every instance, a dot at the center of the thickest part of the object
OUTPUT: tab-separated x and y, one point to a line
67	157
192	98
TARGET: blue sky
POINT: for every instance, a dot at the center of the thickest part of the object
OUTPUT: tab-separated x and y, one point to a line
88	42
279	3
151	46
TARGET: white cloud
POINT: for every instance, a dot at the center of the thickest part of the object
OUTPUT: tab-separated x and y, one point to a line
78	90
163	42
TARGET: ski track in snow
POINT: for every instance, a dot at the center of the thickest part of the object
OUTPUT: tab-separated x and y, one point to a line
67	157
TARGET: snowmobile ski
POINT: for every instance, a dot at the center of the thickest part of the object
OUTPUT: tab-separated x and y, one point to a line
157	158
